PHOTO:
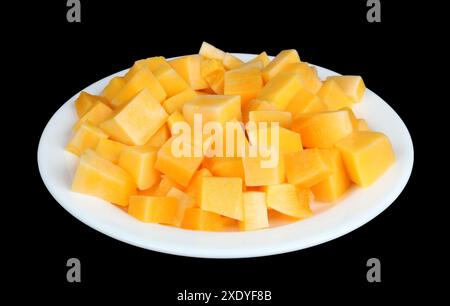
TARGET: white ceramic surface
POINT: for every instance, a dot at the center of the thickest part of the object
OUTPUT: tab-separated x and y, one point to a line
359	206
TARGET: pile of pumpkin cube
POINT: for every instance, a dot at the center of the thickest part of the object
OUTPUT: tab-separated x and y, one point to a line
123	138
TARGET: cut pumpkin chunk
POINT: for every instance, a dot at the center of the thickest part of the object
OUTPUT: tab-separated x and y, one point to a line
306	168
184	202
246	83
170	80
307	74
333	96
324	129
209	51
263	171
222	195
175	103
188	67
86	101
165	185
335	185
361	125
255	211
219	108
109	149
281	89
284	198
216	82
283	59
174	118
139	162
154	209
352	85
160	137
287	142
231	62
282	117
143	79
254	105
305	102
86	137
113	88
367	155
193	189
138	121
175	164
262	57
225	166
200	220
96	114
151	63
99	177
210	66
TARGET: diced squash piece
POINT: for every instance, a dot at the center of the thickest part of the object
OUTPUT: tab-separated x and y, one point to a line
138	121
231	62
210	66
209	51
188	67
255	211
281	89
174	164
143	79
174	118
96	114
151	63
222	195
305	102
262	57
284	198
333	96
323	130
352	85
255	104
109	149
361	125
139	162
225	166
282	117
253	65
165	185
200	220
335	185
86	137
259	171
216	82
86	101
219	108
367	155
306	168
152	191
175	103
113	88
193	189
283	58
170	80
244	82
99	177
153	209
308	75
288	141
184	201
160	137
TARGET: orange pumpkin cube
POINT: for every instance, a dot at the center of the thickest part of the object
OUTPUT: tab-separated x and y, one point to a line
333	96
283	58
193	189
153	209
109	149
255	211
246	83
175	103
305	102
200	220
113	88
188	67
306	168
282	117
285	199
86	137
96	114
281	89
352	85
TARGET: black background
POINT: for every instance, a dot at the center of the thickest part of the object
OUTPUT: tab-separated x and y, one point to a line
66	57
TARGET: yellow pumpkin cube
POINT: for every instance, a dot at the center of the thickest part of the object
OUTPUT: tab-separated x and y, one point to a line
222	195
262	57
86	137
281	89
184	202
216	82
244	82
143	79
259	172
188	67
218	108
225	166
306	168
200	220
154	209
99	177
170	80
160	137
193	189
367	155
335	185
113	88
209	51
174	118
109	149
282	117
254	105
255	211
333	96
86	101
285	199
352	85
288	141
283	58
231	62
139	162
307	74
324	129
210	66
165	185
138	121
96	114
175	103
305	102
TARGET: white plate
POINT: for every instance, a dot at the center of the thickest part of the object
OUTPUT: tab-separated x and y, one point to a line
359	206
